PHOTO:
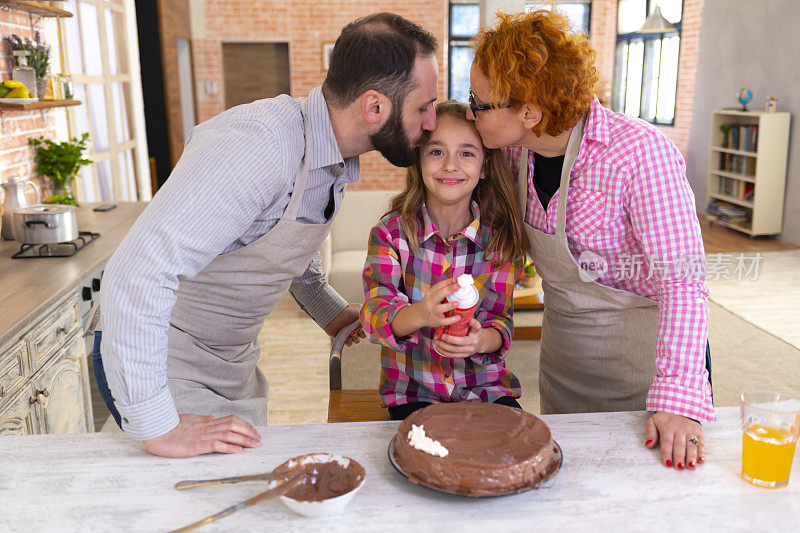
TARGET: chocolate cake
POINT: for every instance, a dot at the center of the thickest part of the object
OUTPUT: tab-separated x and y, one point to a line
474	449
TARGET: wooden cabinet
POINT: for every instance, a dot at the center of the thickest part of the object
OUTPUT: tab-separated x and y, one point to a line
13	369
44	381
60	391
18	417
50	334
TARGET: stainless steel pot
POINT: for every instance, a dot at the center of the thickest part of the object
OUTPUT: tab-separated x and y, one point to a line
46	224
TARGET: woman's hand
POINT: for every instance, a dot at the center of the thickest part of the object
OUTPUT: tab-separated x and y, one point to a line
675	432
478	340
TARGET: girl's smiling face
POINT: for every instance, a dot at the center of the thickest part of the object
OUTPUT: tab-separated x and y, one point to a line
451	163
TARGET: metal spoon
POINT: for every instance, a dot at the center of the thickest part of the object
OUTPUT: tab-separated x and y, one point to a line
284	487
192	483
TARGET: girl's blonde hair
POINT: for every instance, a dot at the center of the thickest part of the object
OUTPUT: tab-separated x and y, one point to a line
496	195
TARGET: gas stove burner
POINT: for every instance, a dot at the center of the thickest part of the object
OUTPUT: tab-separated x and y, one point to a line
61	249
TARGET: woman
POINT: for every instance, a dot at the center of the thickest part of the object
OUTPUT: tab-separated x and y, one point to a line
613	232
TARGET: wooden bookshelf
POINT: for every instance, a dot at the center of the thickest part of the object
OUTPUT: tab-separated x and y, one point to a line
41	9
41	104
747	170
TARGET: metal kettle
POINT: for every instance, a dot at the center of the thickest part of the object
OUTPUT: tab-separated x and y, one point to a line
14	189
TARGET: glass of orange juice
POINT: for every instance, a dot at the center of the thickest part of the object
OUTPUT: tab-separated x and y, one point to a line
771	426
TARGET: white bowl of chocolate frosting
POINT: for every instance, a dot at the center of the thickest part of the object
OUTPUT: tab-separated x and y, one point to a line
331	481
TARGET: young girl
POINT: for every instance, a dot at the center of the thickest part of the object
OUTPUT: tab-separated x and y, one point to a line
457	215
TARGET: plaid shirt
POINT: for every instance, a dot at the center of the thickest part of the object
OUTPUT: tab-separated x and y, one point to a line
394	277
630	203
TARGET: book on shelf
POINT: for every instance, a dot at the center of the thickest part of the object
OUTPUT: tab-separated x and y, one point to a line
741	137
740	164
728	213
748	192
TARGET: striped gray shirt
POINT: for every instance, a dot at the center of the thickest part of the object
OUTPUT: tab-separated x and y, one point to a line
230	187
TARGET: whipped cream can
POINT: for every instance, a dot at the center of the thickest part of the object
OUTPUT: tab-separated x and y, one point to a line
467	298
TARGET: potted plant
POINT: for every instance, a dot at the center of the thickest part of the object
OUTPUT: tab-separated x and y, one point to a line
38	58
60	161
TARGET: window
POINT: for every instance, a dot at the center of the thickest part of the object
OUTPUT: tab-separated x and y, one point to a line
578	12
99	48
646	65
465	19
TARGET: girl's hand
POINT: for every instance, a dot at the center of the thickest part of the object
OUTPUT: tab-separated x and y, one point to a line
431	309
675	432
462	347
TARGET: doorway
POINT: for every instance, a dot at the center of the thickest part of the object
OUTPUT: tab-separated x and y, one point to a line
252	71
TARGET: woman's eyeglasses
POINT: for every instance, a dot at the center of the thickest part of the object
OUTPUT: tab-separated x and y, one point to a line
475	107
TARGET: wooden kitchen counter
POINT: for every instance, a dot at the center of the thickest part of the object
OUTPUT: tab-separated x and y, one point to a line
29	286
608	482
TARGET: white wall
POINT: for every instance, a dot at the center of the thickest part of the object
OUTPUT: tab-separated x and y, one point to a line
753	44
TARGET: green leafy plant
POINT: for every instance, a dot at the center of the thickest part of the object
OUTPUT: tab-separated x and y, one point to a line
60	161
39	52
725	128
15	43
68	199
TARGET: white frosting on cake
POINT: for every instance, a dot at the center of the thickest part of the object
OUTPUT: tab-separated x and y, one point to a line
419	440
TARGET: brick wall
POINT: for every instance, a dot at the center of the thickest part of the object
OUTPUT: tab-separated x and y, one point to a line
604	38
16	157
305	26
173	23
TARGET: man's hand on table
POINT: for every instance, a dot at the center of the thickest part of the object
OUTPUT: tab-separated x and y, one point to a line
345	317
198	434
673	431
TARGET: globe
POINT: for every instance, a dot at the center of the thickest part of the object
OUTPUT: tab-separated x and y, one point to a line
745	95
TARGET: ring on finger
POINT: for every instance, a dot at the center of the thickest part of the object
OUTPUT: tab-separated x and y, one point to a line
694	440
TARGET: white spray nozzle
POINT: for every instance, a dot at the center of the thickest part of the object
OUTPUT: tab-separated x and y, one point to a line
465	280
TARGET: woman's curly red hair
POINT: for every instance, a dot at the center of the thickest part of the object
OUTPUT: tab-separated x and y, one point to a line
533	58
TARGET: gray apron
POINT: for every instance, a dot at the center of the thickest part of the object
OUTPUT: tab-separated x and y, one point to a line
598	344
213	346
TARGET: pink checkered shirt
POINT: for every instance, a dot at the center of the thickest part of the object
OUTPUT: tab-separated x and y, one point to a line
395	276
630	203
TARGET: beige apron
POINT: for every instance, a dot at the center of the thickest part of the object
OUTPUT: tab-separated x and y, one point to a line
213	345
598	343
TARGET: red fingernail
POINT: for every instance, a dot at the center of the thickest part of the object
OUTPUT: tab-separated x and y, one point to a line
680	466
669	463
690	465
648	443
701	459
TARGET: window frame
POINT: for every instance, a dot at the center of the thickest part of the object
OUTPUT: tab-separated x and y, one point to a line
138	186
456	41
554	3
629	37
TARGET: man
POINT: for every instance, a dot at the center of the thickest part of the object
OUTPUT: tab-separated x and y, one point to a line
238	223
613	231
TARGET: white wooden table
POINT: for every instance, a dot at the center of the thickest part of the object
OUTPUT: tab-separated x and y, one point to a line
609	481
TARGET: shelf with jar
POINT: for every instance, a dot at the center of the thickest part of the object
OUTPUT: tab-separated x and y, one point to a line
32	86
41	9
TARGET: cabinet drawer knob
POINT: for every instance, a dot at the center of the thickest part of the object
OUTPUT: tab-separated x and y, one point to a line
2	391
62	330
38	397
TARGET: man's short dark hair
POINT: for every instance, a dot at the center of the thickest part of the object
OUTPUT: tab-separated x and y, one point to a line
376	52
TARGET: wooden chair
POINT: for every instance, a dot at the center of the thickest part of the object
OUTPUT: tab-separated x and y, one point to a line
352	405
